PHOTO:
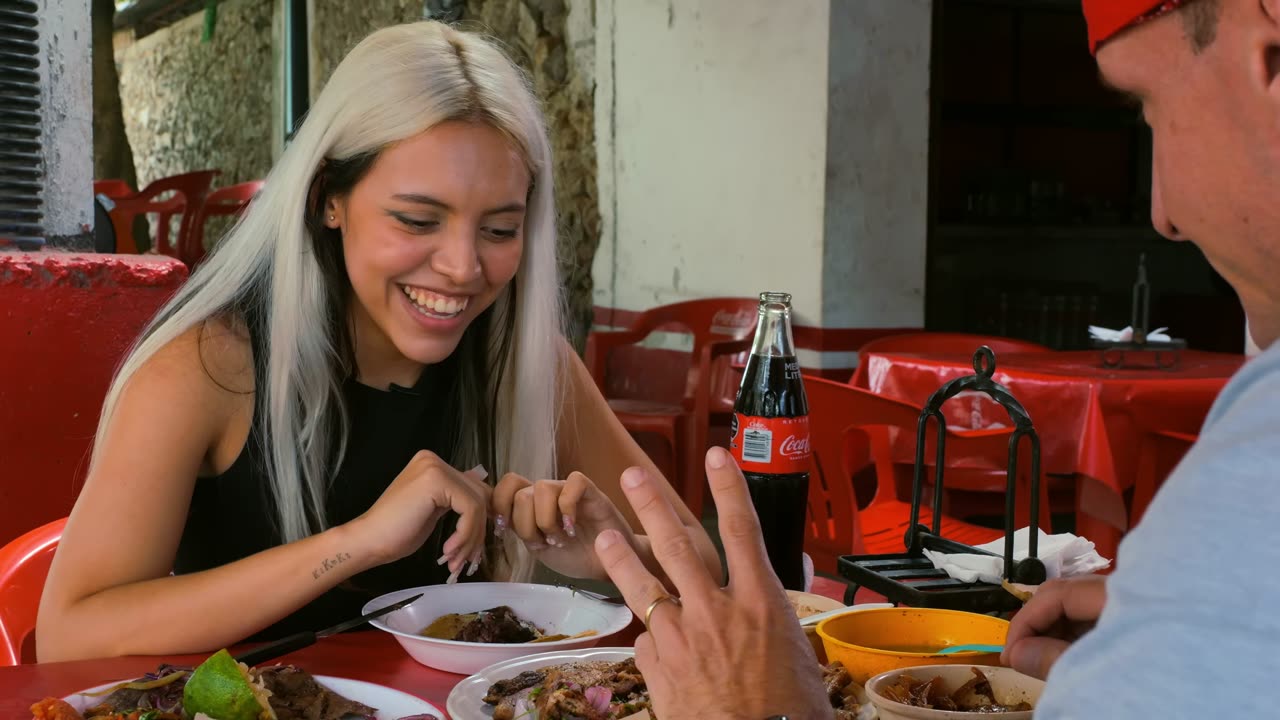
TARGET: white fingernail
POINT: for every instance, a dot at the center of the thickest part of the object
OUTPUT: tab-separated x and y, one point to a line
569	529
453	576
443	559
472	570
479	472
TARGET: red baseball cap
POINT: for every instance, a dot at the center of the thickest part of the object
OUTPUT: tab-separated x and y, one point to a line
1107	18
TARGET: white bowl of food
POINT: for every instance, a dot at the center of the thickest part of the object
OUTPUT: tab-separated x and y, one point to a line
470	629
511	690
954	692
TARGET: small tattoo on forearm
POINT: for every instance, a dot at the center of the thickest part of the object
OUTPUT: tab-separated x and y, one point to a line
329	564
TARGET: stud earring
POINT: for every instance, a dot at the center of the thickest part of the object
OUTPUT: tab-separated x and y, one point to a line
330	218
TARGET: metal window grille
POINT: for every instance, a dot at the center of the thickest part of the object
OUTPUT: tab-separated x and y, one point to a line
21	169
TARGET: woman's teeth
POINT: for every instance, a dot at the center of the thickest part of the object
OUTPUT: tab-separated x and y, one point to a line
431	304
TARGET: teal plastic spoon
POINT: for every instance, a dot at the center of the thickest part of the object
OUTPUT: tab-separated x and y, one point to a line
971	648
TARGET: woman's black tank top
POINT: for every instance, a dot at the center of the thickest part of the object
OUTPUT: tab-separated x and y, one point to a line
233	515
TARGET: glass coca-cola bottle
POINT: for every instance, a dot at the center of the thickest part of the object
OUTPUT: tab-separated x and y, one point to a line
770	441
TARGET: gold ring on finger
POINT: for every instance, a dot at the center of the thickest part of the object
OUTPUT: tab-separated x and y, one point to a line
648	613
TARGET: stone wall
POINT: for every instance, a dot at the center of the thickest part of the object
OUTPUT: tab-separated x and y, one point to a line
337	25
190	105
552	40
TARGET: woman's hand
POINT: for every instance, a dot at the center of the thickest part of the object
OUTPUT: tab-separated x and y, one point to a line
558	520
406	514
734	647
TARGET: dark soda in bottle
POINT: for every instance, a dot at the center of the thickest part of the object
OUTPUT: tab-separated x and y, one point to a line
770	429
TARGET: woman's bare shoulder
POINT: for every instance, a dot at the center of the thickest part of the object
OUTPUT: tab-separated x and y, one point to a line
195	392
213	358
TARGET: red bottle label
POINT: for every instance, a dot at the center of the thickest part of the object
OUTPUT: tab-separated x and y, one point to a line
778	445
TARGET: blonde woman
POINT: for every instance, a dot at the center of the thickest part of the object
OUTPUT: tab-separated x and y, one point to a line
320	414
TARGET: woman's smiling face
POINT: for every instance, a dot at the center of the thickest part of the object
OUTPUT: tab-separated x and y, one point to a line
431	236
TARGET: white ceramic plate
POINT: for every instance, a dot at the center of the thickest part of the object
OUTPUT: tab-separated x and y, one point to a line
1009	686
813	620
391	704
556	610
806	604
466	702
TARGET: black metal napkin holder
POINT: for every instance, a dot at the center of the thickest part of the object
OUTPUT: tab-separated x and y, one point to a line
1166	354
910	578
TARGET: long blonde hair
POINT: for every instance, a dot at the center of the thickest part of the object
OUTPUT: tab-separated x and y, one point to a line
397	83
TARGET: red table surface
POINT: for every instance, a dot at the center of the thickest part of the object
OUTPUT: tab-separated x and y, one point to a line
1080	409
372	656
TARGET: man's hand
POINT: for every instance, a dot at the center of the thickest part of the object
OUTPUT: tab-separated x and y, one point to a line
1059	614
732	652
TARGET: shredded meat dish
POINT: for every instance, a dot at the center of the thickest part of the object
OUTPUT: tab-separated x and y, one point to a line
847	697
974	696
588	690
295	695
613	690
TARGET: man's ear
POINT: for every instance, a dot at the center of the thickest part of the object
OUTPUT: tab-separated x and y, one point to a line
1268	65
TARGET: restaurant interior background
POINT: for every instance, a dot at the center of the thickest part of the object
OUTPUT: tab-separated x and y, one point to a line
1042	190
954	165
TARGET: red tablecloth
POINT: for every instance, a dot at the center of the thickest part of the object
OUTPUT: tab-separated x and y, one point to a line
372	656
1079	407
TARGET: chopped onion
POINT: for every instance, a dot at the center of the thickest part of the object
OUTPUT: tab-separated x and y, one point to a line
525	710
141	685
599	697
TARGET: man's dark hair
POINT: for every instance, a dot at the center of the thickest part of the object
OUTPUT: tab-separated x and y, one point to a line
1200	23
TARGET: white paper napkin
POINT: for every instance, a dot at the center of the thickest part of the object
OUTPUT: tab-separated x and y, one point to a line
1126	335
1063	555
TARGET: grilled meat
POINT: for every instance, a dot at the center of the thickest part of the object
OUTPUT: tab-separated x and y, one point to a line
503	688
498	625
295	695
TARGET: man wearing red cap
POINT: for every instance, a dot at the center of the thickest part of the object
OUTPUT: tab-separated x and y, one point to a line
1207	75
1189	623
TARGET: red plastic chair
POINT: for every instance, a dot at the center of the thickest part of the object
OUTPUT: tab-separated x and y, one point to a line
680	421
24	565
230	200
959	344
849	429
1169	422
729	358
732	355
114	189
190	190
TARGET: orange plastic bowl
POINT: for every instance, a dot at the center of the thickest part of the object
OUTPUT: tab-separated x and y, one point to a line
874	641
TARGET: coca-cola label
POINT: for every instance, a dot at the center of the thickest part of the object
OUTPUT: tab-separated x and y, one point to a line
778	445
735	323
